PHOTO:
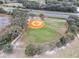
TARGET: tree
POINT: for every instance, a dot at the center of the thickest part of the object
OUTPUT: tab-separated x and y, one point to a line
41	16
8	48
1	2
20	17
32	50
2	10
46	1
72	22
20	1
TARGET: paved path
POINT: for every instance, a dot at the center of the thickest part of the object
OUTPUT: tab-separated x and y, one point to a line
52	13
18	51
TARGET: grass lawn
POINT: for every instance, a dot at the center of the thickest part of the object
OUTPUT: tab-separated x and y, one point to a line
47	33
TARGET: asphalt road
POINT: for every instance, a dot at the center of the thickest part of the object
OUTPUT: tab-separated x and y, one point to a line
53	13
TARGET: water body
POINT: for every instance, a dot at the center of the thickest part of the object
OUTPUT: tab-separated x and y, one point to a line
4	21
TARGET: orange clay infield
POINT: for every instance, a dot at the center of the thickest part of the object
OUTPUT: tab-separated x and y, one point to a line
36	24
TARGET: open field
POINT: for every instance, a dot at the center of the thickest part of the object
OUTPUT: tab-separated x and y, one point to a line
50	32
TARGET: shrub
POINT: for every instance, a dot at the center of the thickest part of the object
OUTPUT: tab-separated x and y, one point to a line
76	3
9	36
32	50
42	16
2	11
20	17
1	47
5	39
58	44
69	37
8	48
1	2
65	39
14	34
31	4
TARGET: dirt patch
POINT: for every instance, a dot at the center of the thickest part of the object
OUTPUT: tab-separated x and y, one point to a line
61	30
69	51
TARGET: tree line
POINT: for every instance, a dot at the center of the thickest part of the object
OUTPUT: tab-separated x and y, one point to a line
50	6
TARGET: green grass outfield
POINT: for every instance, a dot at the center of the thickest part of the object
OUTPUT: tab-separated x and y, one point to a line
47	33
